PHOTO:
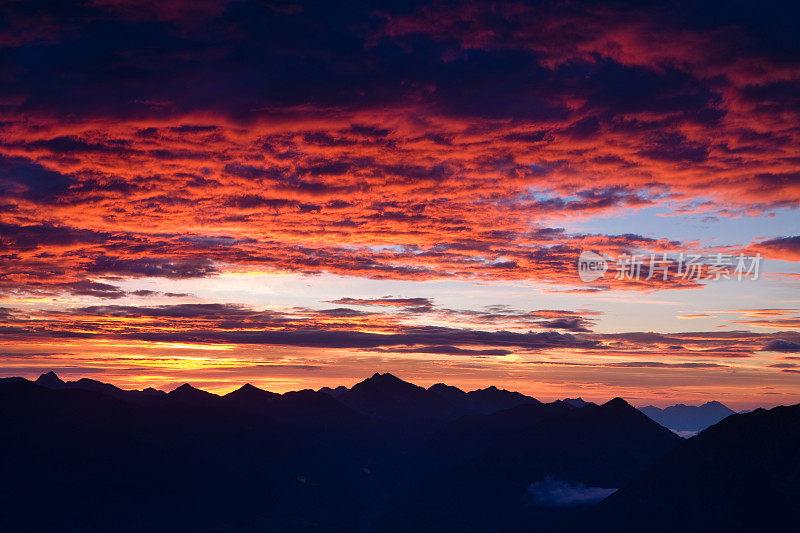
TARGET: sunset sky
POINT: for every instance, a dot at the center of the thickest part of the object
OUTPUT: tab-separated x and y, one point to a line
298	195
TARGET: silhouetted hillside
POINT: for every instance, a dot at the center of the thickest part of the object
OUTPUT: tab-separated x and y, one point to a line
594	446
742	474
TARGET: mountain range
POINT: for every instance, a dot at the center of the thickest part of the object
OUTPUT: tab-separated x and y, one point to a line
383	455
688	418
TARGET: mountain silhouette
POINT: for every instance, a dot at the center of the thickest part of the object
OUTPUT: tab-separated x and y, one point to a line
306	406
386	396
252	396
687	417
193	396
576	402
452	394
481	401
338	391
599	446
50	380
469	434
742	474
99	458
491	399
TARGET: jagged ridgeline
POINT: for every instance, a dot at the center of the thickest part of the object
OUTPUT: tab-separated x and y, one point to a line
383	455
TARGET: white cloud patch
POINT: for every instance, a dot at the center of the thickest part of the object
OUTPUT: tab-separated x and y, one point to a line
553	492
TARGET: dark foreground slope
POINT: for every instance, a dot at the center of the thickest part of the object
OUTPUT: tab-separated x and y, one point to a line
77	460
742	474
529	456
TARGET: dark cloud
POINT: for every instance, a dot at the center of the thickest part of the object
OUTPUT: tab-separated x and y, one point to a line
74	145
368	131
780	345
19	177
785	247
342	312
93	288
450	350
386	301
676	148
355	55
659	364
572	324
146	293
359	339
169	311
23	238
152	267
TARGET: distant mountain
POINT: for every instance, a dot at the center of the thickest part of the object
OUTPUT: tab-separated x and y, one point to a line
743	474
338	391
576	402
687	417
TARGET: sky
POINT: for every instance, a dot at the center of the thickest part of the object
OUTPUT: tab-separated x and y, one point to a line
302	194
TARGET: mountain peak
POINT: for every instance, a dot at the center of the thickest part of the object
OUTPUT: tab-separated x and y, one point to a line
50	380
576	402
184	388
441	387
249	394
387	396
617	403
385	376
384	380
338	391
249	390
717	405
188	394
